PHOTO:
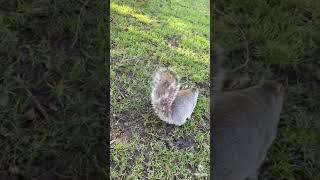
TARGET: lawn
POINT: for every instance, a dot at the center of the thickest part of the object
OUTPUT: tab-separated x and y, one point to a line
281	41
146	35
52	90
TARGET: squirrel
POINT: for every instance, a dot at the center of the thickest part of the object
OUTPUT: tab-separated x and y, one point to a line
172	104
245	122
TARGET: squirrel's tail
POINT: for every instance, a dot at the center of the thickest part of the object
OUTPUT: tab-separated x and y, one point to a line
165	87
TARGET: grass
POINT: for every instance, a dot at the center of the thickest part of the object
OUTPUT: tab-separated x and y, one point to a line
282	39
52	90
146	35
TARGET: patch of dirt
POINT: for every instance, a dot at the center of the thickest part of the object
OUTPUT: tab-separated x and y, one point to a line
174	41
120	129
166	129
182	143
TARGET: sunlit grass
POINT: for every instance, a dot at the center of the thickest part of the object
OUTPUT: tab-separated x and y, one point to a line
127	11
204	58
178	25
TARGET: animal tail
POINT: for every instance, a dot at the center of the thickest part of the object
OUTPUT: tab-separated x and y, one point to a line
165	87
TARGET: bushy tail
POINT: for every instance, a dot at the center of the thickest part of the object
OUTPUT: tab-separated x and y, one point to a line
165	87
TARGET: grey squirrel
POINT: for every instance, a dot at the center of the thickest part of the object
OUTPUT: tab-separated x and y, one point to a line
171	104
244	125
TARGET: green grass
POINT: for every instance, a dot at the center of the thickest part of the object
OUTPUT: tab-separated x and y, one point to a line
144	37
282	38
51	54
52	95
